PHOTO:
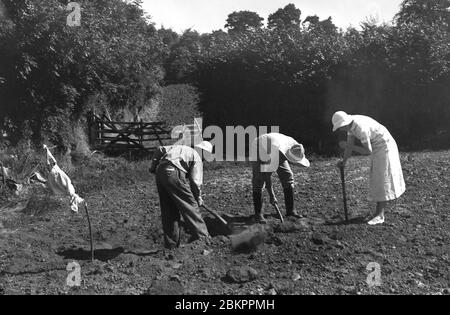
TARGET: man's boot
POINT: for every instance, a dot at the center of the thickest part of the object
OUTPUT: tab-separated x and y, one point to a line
289	202
258	203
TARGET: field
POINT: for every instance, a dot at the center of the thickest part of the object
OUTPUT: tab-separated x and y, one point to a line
315	255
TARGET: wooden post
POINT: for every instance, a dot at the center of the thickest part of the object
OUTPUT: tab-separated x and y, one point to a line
90	231
157	135
97	131
141	131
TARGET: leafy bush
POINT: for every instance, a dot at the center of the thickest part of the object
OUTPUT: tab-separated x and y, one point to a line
21	161
80	141
49	70
178	105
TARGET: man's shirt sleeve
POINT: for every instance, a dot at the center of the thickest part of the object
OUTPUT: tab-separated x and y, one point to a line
157	155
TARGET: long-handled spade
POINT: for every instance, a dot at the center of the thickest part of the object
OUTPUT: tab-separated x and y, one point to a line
344	192
354	148
280	216
241	240
224	223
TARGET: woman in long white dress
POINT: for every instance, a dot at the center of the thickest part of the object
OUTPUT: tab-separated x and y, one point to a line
386	176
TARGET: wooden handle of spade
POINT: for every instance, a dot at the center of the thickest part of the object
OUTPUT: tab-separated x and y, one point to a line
216	215
344	192
280	216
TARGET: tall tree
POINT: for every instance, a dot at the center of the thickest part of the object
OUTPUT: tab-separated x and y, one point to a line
243	21
182	57
168	36
427	11
312	20
315	24
288	17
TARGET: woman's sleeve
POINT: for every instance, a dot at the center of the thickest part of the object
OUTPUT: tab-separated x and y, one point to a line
363	134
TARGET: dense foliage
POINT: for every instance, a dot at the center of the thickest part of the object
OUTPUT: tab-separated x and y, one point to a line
49	70
296	77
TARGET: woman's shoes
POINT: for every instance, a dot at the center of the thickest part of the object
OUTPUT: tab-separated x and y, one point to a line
294	214
379	219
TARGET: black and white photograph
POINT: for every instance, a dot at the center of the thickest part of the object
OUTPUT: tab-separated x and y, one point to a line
224	153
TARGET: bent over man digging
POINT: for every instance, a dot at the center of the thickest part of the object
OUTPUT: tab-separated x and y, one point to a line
273	152
179	177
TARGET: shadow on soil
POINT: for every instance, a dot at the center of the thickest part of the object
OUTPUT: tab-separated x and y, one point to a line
354	221
103	254
99	254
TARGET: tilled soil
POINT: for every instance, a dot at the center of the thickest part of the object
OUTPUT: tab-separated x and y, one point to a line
319	254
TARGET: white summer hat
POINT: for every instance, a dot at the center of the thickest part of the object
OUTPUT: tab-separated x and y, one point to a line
205	145
296	155
341	119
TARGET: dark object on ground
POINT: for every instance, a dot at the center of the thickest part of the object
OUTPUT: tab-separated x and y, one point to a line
241	275
320	239
249	240
221	220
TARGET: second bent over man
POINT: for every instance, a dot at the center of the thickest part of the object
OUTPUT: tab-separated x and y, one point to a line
273	152
179	177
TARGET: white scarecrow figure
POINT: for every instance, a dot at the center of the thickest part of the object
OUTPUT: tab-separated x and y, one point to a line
60	183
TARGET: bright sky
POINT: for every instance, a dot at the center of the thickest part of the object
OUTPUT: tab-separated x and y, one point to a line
208	15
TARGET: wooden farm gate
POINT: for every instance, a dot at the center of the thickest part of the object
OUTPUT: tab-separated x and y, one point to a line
107	135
